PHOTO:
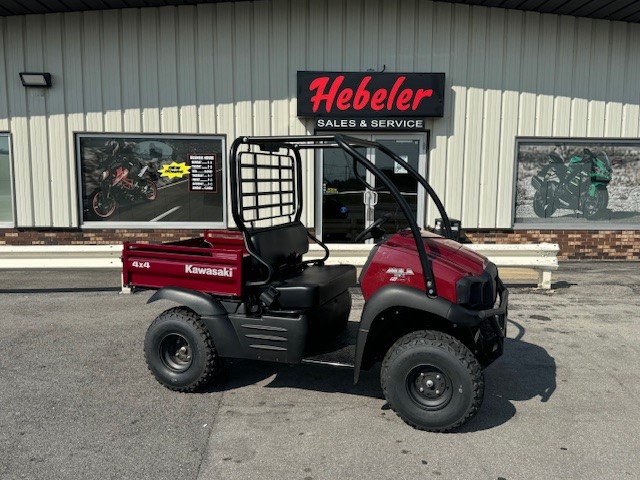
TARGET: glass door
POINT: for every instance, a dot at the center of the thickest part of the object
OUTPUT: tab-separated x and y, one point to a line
344	212
346	207
408	148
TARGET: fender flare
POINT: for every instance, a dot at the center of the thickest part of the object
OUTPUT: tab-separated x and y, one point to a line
201	303
213	314
391	296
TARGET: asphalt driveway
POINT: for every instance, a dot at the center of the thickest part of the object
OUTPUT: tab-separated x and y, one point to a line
76	400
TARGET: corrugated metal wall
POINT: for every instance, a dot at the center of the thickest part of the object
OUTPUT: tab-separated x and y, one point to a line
230	68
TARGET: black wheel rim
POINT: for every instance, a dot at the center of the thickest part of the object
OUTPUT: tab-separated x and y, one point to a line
429	387
175	352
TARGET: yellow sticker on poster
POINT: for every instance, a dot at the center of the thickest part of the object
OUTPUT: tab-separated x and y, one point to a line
174	170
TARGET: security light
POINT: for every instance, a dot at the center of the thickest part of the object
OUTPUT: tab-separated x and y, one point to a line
30	79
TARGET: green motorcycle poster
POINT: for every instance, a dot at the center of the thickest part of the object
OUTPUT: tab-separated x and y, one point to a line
577	183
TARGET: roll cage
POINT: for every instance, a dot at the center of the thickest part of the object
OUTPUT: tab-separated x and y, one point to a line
266	187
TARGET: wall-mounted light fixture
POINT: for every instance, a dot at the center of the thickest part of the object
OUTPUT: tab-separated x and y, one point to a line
30	79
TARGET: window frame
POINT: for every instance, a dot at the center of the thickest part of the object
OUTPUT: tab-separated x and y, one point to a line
12	190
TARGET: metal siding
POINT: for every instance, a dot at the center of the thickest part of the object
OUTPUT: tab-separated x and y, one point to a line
333	46
149	82
19	123
598	78
458	101
230	68
406	36
38	135
441	59
279	72
509	116
489	158
317	29
74	106
529	74
242	70
615	82
564	76
92	71
352	35
474	126
59	159
223	73
186	70
370	36
388	36
111	75
132	114
580	81
167	71
631	92
205	90
260	80
546	67
4	101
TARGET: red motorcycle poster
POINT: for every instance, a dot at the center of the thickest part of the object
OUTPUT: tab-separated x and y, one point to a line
148	178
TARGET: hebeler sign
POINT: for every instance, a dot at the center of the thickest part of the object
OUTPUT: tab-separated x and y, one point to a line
370	94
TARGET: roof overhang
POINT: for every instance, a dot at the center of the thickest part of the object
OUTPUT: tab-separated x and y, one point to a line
622	10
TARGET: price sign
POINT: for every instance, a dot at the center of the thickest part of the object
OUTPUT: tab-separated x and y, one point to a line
202	176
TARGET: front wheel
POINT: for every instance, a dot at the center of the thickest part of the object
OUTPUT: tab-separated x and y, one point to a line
180	352
595	207
432	381
150	190
103	205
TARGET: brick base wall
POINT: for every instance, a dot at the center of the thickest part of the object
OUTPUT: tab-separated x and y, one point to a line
574	244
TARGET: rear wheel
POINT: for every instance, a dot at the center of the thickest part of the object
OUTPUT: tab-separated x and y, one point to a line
432	381
543	201
180	352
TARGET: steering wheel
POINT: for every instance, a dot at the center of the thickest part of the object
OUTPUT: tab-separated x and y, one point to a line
374	230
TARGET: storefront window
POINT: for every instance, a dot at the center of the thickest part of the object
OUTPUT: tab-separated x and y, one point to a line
152	180
6	196
578	183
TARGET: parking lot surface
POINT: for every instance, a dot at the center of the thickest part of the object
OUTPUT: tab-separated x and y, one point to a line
77	401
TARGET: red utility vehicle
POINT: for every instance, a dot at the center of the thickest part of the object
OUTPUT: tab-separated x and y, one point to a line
434	313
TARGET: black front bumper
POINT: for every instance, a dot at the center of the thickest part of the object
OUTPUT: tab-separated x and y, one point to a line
491	325
493	329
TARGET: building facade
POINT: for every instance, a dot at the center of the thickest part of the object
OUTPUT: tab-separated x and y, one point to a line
538	138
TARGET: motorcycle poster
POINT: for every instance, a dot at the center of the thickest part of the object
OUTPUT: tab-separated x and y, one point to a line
148	178
574	183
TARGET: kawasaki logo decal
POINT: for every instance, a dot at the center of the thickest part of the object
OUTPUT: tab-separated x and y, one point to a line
399	273
214	272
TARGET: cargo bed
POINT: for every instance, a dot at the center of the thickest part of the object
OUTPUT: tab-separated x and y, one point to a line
211	263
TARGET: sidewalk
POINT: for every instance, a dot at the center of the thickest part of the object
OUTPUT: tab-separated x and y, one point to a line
110	279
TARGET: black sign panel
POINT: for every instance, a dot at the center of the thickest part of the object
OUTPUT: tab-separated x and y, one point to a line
399	124
202	176
370	94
